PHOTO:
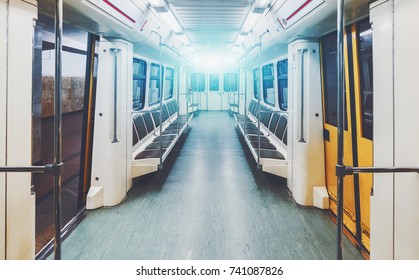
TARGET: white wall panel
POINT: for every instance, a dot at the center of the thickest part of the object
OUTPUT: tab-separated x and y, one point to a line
382	200
20	232
406	102
2	128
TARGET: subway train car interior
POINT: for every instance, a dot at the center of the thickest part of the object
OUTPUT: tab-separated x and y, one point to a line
211	129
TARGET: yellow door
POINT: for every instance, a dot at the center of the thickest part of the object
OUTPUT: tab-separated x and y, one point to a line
358	125
363	81
329	72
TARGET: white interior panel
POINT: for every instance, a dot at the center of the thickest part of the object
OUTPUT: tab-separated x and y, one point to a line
20	221
382	200
406	73
307	157
111	161
2	128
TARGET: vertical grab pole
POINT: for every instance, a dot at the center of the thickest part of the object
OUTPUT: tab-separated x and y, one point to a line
161	91
115	96
260	89
187	95
178	89
245	96
340	113
260	94
301	140
58	127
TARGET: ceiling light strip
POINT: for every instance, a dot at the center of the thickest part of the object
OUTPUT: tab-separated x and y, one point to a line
299	9
119	11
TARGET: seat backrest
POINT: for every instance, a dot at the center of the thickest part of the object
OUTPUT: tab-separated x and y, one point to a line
156	118
148	120
274	122
285	137
267	116
140	126
172	107
165	113
135	138
282	125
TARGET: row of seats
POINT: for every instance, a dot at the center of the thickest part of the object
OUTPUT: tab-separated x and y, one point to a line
146	136
273	137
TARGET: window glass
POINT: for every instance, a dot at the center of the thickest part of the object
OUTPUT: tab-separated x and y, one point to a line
256	85
230	82
329	55
154	89
198	82
214	82
138	94
365	69
168	85
75	63
282	72
268	84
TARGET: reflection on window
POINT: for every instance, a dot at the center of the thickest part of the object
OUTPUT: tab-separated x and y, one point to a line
268	84
168	85
154	89
256	85
365	69
330	71
138	94
198	82
282	72
230	82
214	82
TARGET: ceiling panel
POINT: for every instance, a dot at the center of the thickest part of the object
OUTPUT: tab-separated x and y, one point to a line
211	25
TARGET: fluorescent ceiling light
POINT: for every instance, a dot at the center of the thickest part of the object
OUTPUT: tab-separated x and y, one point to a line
262	4
250	22
171	22
157	3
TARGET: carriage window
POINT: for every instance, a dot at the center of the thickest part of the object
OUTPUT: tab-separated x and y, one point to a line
214	82
154	90
256	86
365	69
230	82
138	95
282	73
198	82
268	84
329	54
168	85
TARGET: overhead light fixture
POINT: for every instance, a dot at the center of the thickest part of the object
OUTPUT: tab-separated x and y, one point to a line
157	3
262	4
171	22
250	22
166	14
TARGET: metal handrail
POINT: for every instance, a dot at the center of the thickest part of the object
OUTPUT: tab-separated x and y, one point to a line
115	96
340	112
261	89
161	91
302	140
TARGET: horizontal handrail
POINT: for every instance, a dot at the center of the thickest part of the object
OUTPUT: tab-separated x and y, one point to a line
49	168
276	111
342	170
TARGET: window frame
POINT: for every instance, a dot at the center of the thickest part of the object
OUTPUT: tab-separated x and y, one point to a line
256	81
265	80
211	76
282	77
229	83
136	77
155	78
169	80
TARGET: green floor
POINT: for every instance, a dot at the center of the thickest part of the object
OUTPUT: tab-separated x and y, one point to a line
209	202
